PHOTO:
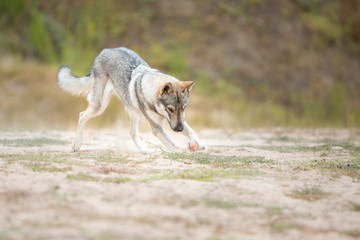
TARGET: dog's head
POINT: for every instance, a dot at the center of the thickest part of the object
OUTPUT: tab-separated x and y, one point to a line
172	100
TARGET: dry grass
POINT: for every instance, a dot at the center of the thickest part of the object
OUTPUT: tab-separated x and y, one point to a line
31	98
308	193
237	189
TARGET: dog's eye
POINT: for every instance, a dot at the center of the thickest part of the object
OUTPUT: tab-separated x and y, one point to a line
171	109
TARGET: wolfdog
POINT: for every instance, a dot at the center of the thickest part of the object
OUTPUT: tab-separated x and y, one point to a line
146	93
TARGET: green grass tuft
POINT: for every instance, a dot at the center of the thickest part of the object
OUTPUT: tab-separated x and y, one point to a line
355	207
204	174
222	204
82	177
31	142
332	146
307	193
41	168
218	160
90	178
117	180
111	158
280	226
345	167
235	204
353	233
56	158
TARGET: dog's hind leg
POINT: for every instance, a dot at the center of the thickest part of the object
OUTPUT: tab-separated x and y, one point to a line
134	132
99	99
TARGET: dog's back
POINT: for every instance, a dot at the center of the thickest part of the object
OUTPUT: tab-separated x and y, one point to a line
117	64
114	64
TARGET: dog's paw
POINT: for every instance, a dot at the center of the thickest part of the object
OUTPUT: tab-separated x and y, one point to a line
76	145
74	149
202	147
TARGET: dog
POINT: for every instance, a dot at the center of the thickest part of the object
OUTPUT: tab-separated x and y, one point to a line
145	92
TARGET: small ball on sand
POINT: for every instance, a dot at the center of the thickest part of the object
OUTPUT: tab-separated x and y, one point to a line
193	145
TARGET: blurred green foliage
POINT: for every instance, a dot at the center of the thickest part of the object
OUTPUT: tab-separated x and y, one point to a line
296	64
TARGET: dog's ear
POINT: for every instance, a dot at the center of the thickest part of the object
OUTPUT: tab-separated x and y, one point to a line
166	89
186	86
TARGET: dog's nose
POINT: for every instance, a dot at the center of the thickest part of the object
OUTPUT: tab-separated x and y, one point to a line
179	128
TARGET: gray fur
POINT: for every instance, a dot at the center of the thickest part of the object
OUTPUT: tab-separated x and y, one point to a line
118	64
143	91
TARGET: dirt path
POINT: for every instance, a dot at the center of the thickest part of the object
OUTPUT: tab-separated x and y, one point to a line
258	184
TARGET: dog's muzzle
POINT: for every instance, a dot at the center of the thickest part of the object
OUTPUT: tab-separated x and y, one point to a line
179	128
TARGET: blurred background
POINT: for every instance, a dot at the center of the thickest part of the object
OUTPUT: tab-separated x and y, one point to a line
256	63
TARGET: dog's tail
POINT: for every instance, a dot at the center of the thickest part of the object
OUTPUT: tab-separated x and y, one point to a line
71	83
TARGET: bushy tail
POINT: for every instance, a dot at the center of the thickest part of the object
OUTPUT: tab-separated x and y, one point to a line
71	83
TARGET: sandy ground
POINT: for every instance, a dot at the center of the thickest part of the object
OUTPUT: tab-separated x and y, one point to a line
253	184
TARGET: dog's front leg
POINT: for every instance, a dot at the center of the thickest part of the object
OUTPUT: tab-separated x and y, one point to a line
159	132
190	133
